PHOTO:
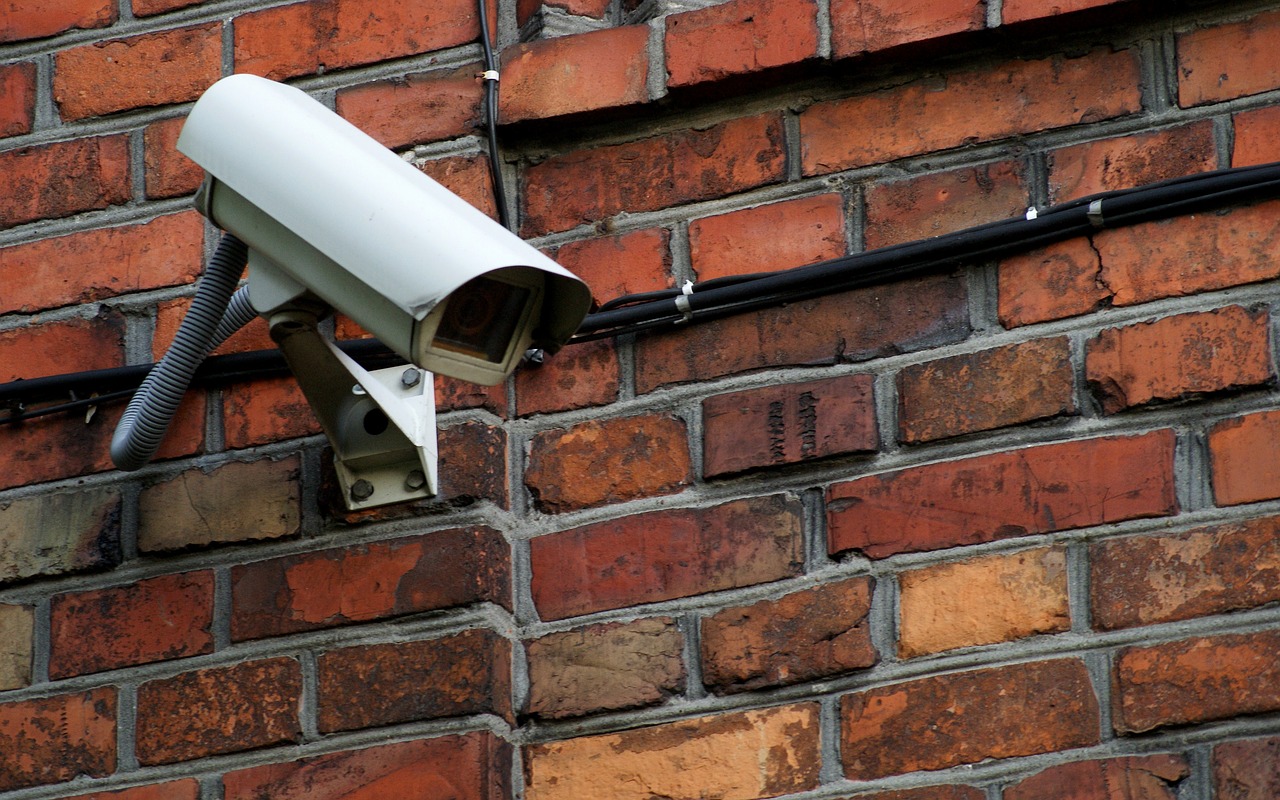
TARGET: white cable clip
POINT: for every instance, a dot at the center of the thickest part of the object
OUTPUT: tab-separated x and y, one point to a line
1032	213
488	75
1095	214
682	301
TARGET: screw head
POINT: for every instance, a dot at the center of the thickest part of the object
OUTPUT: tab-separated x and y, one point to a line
415	480
358	390
411	377
361	490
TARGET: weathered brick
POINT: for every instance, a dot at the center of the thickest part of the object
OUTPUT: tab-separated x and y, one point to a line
741	37
1140	580
663	555
169	316
1180	356
1227	61
982	601
385	684
76	345
17	627
608	667
475	766
234	503
1003	712
185	789
1195	680
166	251
264	411
443	569
850	326
1055	282
219	710
1243	454
468	177
577	377
1132	778
607	461
64	178
149	70
1128	161
809	634
573	74
1257	134
56	533
1041	489
155	619
324	35
168	172
453	395
739	755
525	9
17	98
862	26
1247	770
417	108
146	8
59	738
943	202
614	266
982	391
788	424
937	113
928	793
35	20
589	185
777	236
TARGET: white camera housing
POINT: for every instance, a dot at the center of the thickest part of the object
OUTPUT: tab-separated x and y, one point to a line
334	220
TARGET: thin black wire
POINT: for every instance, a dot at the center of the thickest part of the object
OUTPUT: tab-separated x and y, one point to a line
491	117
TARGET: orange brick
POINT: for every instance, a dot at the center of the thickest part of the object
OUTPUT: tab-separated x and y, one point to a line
149	70
64	178
1055	282
573	74
741	37
777	236
862	26
35	19
54	348
60	738
1245	456
17	98
1022	10
983	601
169	316
614	266
263	411
185	789
168	172
525	9
1227	61
1256	135
936	114
919	208
466	176
1129	161
576	377
417	108
1143	778
146	8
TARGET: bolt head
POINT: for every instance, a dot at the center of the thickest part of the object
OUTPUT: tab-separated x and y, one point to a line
411	377
361	490
415	480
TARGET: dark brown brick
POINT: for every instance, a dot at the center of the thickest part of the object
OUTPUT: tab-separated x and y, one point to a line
1247	770
58	738
1019	710
1133	778
809	634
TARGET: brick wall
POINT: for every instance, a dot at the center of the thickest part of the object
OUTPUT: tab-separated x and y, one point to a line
978	535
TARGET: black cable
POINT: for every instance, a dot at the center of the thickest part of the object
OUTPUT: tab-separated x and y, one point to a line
490	77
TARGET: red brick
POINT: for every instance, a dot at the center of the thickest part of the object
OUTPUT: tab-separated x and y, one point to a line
366	582
386	684
219	710
1129	161
743	754
167	251
1022	10
17	631
788	424
1132	778
663	555
53	348
1018	710
453	395
777	236
806	635
1227	61
1256	135
168	172
1247	770
475	766
573	74
525	9
64	178
930	205
169	316
982	391
416	109
937	113
264	411
609	667
1196	680
87	521
156	619
466	176
324	35
981	601
1055	282
577	377
146	8
153	69
741	37
607	461
35	19
589	185
1176	357
928	793
614	266
17	98
1141	580
58	738
1034	490
862	26
850	326
1245	456
185	789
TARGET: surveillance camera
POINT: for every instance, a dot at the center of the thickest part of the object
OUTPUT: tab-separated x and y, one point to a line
327	218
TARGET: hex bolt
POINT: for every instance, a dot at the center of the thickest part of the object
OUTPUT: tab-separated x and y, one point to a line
358	390
411	378
361	490
415	480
